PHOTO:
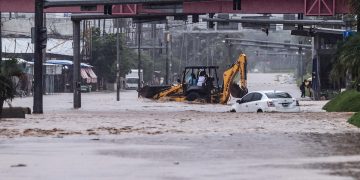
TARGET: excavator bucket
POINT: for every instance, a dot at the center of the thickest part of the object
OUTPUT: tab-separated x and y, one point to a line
236	91
151	91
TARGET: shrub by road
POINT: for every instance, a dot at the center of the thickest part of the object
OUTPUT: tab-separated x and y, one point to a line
348	101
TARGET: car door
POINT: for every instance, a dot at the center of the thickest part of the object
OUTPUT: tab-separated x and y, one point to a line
254	103
243	105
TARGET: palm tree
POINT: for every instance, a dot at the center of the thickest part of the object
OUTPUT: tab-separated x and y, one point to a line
8	69
348	60
348	55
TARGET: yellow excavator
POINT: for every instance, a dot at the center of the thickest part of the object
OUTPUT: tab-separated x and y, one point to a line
201	83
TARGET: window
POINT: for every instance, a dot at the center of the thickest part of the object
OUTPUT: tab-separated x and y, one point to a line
256	97
276	95
247	98
132	80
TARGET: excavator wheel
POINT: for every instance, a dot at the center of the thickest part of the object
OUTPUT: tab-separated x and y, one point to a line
192	96
236	91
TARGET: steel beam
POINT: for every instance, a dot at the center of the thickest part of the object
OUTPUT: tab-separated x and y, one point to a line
268	42
146	47
269	46
102	16
279	21
67	3
76	65
277	54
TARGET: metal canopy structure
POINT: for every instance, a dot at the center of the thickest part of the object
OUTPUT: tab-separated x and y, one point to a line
67	3
132	7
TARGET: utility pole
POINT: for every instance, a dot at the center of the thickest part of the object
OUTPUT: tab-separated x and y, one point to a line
194	52
228	45
301	64
118	61
0	41
44	49
167	38
181	53
76	64
104	21
171	59
186	50
38	58
153	36
139	26
300	27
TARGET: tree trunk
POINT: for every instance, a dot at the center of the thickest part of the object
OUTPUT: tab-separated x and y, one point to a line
358	23
1	106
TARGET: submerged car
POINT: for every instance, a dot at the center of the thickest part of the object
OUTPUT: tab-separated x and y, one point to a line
266	101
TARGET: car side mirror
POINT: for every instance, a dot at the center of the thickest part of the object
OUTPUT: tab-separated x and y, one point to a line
238	101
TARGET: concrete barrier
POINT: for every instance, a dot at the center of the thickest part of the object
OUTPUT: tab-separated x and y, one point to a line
15	112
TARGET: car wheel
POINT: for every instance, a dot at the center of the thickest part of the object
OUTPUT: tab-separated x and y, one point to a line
259	111
192	96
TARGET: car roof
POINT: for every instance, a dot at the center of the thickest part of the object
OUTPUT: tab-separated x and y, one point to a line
268	91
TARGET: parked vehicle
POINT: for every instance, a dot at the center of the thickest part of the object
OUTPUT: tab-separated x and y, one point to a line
85	88
266	101
132	79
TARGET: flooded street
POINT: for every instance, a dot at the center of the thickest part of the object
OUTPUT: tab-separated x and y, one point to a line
143	139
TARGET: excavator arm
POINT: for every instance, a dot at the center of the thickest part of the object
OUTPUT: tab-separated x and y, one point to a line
237	90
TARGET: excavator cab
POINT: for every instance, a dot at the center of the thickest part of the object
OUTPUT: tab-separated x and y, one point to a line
201	82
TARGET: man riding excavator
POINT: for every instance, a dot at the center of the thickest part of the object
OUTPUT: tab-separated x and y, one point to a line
201	83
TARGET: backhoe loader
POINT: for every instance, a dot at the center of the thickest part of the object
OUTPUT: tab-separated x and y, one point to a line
191	88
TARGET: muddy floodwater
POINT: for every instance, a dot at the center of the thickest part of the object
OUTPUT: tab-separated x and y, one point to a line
143	139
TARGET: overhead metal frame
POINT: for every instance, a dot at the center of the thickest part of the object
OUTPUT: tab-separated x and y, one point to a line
67	3
81	17
279	21
270	46
268	42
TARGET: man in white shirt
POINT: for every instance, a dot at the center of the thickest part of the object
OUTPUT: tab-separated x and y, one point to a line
201	79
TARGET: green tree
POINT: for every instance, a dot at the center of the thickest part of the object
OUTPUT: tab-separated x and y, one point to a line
347	60
104	58
8	69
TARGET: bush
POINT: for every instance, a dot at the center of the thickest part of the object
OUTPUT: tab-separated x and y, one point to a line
355	119
348	101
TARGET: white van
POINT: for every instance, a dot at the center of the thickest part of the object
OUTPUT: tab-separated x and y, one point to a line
132	79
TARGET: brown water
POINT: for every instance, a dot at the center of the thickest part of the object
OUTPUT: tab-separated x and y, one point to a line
143	139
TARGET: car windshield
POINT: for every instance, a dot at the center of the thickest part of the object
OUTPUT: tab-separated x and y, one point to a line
132	80
276	95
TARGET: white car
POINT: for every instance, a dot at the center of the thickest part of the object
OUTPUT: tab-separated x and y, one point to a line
266	101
